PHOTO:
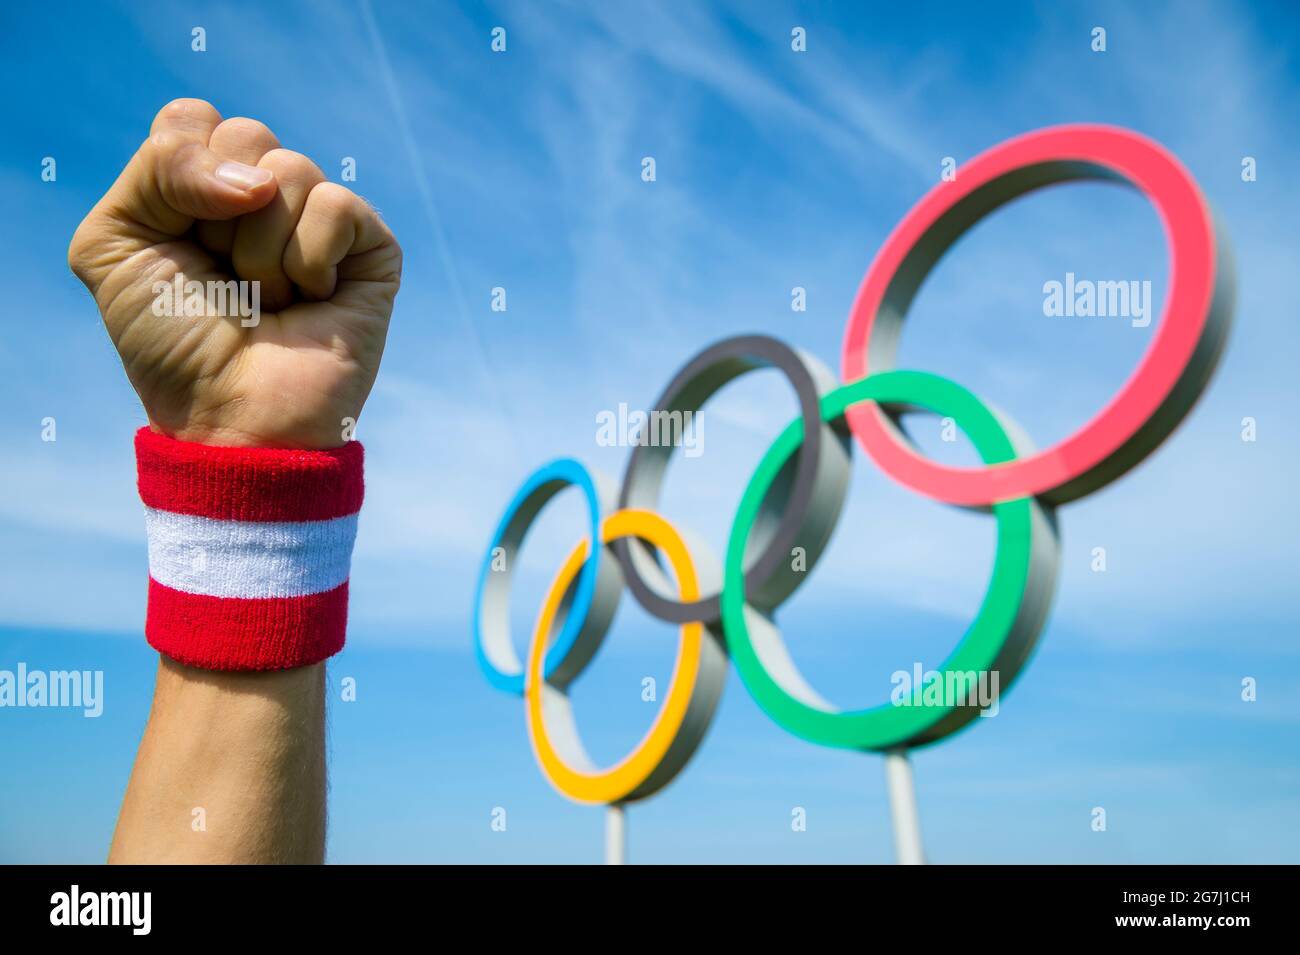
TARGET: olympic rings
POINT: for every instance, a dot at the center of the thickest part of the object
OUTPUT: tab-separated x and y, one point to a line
795	496
809	496
1183	353
698	676
999	640
593	603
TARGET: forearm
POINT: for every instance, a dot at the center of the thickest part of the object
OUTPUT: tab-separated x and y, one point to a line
231	769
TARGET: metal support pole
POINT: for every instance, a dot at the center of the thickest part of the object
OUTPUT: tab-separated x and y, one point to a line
615	835
902	807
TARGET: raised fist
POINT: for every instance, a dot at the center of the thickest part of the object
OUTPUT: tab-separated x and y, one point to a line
218	202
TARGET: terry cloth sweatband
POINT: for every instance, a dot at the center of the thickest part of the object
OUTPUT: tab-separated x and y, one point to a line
249	551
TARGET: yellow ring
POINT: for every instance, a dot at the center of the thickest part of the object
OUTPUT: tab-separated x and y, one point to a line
621	780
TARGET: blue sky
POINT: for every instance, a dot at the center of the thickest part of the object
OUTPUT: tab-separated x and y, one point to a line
774	169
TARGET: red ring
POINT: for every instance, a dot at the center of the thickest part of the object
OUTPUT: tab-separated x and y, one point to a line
1155	397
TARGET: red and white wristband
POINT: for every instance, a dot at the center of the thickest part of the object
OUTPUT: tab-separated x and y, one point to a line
249	551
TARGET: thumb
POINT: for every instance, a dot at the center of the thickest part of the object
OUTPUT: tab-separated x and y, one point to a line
172	180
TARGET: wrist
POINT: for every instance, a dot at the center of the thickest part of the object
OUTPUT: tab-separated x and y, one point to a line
298	437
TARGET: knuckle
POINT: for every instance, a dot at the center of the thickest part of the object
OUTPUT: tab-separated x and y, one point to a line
163	141
245	126
332	201
187	108
290	166
240	130
170	145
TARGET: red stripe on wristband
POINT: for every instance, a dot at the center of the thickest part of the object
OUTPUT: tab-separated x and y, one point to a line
248	484
241	633
249	551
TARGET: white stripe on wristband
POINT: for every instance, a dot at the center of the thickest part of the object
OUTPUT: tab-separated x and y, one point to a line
252	559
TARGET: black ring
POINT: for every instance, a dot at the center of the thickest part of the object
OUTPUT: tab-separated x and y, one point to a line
820	474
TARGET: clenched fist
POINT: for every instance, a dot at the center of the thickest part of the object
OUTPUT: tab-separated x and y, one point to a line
216	201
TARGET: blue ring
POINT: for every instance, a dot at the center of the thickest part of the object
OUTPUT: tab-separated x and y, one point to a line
564	472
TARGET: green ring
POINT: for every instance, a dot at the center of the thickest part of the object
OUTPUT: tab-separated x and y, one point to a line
888	726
